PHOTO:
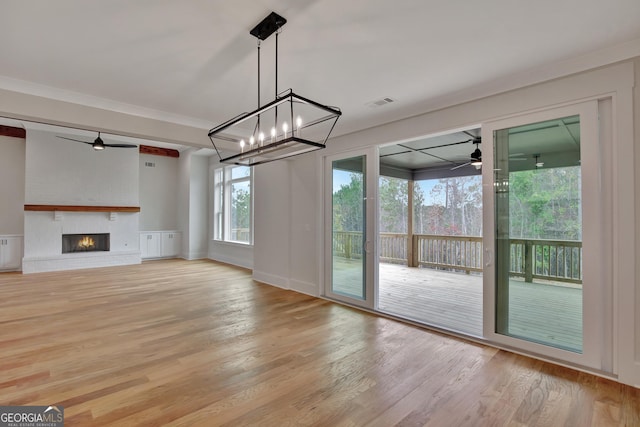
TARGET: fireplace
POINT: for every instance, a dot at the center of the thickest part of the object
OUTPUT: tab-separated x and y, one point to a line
85	242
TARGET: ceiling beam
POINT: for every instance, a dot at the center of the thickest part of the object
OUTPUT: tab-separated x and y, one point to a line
13	132
157	151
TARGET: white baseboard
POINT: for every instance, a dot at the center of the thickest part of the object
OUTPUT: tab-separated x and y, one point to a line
195	255
305	288
271	279
240	262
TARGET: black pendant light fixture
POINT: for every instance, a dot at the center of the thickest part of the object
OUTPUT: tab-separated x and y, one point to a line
287	126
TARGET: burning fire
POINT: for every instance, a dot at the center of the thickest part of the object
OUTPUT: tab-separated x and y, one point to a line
86	243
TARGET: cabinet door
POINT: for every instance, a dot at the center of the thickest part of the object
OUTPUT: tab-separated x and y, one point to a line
170	244
150	245
10	253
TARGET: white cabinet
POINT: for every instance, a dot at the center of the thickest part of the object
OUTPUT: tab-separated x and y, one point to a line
10	252
160	244
171	242
150	244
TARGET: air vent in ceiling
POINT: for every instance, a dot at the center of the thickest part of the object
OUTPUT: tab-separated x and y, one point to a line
380	102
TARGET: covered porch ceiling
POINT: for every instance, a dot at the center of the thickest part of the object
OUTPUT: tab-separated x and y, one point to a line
554	143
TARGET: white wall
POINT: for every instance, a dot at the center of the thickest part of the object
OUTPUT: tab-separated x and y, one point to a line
193	198
12	158
71	173
158	193
271	220
305	217
198	208
184	181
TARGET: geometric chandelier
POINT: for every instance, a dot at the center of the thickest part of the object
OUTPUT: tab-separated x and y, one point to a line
285	127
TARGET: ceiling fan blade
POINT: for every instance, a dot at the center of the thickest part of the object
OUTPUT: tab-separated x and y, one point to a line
76	140
121	145
459	166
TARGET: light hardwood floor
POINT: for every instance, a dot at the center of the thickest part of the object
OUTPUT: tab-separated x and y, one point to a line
200	343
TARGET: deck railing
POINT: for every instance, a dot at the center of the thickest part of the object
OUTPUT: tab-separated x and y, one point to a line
557	260
462	253
347	244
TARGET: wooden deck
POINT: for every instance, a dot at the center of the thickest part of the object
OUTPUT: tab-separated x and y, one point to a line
544	312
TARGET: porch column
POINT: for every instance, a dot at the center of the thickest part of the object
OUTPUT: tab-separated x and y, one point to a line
410	255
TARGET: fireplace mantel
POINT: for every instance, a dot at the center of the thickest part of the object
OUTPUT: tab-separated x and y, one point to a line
72	208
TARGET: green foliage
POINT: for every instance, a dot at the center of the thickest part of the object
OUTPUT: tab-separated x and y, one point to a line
240	205
394	203
546	204
348	205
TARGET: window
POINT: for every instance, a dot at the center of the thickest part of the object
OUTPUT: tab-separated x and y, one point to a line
233	204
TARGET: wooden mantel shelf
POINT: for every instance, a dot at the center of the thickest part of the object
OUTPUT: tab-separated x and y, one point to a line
70	208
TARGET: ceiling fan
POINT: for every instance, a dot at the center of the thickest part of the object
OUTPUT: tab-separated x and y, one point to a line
475	159
99	144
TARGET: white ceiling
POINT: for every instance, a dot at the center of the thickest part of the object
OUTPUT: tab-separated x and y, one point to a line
194	62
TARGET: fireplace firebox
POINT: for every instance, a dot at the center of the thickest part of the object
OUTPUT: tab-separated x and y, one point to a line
85	242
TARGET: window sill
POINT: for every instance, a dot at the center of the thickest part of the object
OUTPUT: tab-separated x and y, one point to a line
232	243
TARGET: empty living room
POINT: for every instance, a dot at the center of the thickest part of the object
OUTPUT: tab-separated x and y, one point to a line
319	213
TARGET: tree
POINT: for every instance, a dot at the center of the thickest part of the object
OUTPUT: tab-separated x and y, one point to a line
546	204
394	204
240	205
348	205
453	208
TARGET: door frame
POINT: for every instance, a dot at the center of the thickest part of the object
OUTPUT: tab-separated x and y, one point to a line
595	325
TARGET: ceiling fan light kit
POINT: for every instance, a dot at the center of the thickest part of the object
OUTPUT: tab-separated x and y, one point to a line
285	127
475	159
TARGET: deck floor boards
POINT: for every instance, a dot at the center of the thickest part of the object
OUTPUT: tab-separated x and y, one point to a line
544	312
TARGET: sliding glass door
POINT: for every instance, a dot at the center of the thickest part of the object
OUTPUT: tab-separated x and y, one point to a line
349	221
543	279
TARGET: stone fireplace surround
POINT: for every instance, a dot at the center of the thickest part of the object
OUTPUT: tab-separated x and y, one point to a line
44	229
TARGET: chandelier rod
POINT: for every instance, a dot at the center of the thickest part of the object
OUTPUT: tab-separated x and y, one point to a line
258	122
275	125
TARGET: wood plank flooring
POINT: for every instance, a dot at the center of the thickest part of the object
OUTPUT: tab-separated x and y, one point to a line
197	343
